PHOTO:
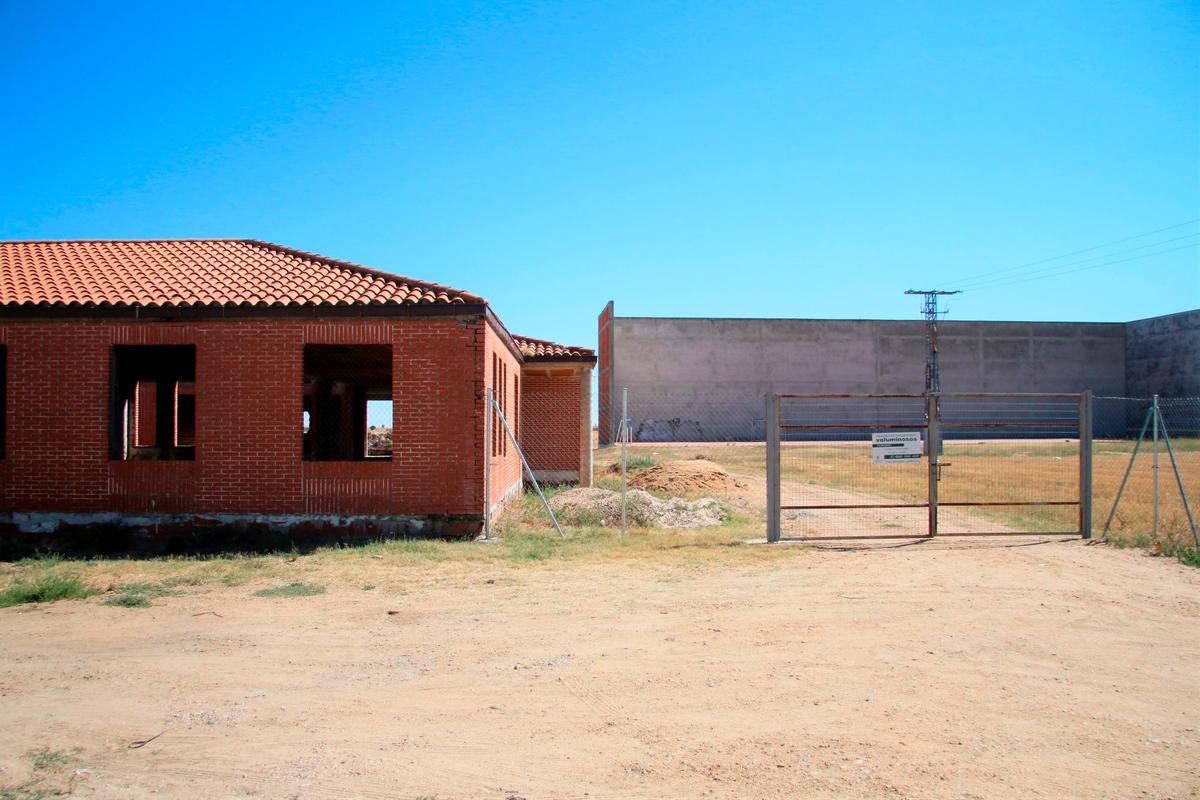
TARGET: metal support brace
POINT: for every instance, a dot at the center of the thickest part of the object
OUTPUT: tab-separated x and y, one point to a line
528	469
1128	469
1179	482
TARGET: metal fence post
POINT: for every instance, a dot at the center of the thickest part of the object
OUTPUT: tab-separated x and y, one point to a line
1156	419
487	463
1085	464
773	468
623	432
934	447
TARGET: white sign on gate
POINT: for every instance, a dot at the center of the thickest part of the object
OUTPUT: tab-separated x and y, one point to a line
896	447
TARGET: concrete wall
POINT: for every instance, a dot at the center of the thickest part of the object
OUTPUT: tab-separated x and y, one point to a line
1162	356
705	379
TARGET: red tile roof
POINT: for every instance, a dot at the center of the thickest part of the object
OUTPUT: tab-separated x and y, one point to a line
547	350
199	272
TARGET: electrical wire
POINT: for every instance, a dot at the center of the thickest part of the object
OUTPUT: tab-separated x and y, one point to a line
977	276
1053	267
1004	282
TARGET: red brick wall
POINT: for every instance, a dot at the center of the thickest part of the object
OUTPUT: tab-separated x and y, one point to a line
609	418
506	463
554	401
437	403
249	423
57	454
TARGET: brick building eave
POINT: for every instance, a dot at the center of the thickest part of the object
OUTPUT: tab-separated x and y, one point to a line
68	313
48	313
550	361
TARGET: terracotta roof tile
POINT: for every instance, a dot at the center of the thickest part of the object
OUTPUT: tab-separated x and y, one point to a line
199	272
544	349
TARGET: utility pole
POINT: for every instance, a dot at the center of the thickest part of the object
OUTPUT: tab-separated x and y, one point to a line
930	312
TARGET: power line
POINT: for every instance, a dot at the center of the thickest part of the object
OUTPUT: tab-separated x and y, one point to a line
1002	282
971	278
971	284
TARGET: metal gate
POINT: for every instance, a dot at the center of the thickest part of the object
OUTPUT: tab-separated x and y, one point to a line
902	466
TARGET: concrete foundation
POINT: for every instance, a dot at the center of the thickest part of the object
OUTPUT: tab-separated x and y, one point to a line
24	534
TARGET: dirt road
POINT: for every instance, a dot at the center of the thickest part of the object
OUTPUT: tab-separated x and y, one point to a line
957	670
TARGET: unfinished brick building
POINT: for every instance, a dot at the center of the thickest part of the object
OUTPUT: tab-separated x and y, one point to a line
217	390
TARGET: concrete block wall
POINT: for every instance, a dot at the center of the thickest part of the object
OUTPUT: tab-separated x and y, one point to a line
705	378
1162	356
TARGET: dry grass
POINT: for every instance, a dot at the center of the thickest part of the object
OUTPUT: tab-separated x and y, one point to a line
994	471
525	540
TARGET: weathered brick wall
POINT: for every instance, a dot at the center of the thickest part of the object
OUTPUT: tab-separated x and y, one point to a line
557	431
249	420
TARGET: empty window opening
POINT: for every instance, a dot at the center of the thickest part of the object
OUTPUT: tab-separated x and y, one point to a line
504	404
492	409
344	387
154	403
379	428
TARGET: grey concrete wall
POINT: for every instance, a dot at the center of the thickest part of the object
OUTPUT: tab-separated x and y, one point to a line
1162	356
705	379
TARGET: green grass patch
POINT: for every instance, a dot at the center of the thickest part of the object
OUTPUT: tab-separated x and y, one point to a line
297	589
641	462
28	791
45	758
46	588
137	595
1189	556
128	601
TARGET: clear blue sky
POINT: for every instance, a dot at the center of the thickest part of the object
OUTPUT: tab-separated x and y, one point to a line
690	159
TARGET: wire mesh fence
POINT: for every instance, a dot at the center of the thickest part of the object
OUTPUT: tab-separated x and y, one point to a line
995	452
1010	463
830	484
1159	489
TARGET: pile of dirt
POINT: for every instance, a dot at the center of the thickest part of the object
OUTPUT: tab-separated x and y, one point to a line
690	477
587	506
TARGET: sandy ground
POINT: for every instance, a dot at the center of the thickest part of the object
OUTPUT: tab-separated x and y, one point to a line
966	669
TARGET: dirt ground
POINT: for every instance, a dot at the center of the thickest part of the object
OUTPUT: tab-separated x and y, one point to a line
965	669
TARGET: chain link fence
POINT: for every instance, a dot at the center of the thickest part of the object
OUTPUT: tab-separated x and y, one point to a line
1036	452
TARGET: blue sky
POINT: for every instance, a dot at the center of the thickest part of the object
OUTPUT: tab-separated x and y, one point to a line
691	159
